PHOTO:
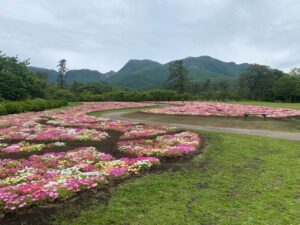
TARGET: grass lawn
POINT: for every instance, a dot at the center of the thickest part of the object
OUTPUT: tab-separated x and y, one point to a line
238	180
288	124
271	104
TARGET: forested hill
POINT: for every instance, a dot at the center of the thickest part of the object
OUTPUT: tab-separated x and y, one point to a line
144	74
82	76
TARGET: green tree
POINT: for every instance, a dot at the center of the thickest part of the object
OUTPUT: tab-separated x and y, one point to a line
17	82
177	79
63	94
287	87
259	80
207	86
295	72
224	86
62	70
95	88
75	88
42	76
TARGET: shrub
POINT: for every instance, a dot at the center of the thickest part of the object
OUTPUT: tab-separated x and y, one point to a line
63	94
2	110
135	96
30	105
14	107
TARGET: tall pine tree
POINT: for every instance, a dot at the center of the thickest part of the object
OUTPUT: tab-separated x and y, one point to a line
178	79
62	70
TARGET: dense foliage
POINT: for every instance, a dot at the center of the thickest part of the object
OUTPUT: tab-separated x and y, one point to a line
9	107
263	83
259	82
135	96
16	82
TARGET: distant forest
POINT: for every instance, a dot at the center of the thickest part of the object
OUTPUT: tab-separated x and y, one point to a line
19	82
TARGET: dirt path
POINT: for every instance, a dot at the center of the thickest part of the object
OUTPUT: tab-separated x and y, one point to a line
295	136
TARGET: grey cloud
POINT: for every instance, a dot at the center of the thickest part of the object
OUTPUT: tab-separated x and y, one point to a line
104	35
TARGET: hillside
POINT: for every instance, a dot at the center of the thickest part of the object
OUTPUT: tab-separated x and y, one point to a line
52	74
206	67
146	74
82	76
139	74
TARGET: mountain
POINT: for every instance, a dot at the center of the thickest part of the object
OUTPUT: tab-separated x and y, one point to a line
141	74
146	74
82	76
110	74
52	74
205	67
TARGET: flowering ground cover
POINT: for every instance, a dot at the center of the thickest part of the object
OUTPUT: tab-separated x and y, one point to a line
170	145
118	125
130	129
68	151
78	115
52	133
142	130
21	147
73	115
23	119
24	146
223	109
47	177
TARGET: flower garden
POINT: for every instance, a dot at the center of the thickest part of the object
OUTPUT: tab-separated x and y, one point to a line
222	109
48	157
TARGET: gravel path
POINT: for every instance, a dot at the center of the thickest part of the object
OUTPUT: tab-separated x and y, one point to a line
295	136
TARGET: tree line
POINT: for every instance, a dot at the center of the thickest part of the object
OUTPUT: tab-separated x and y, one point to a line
259	82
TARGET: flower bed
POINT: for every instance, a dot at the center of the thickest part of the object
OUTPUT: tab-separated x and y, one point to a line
223	109
171	145
24	119
30	179
130	129
78	115
138	131
27	147
44	178
21	147
72	115
118	125
52	133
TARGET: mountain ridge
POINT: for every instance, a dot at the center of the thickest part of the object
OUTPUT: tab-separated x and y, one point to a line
146	73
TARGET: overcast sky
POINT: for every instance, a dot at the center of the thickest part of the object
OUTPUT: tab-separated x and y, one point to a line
105	34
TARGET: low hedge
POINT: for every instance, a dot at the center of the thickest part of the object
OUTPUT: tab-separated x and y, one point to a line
10	107
135	96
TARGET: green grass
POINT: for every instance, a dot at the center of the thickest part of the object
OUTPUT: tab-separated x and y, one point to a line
239	180
271	104
286	124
